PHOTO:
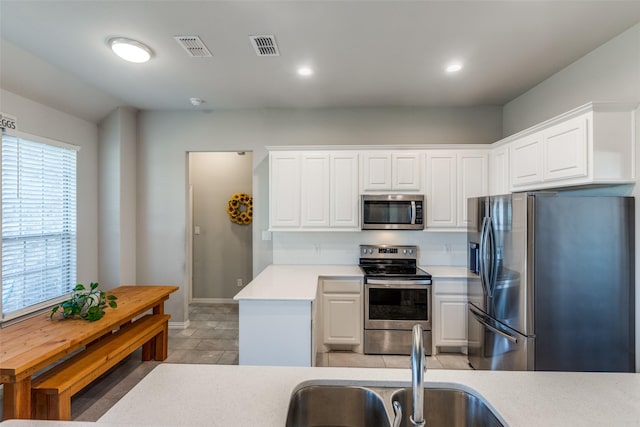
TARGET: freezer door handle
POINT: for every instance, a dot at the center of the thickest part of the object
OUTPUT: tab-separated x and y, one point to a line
480	318
483	255
492	257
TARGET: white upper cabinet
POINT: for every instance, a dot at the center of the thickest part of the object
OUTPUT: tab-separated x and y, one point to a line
453	176
315	190
526	161
312	190
473	180
344	194
499	178
592	144
284	191
385	171
564	148
441	188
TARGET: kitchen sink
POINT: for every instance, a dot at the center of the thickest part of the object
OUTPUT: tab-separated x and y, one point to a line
360	406
339	406
447	407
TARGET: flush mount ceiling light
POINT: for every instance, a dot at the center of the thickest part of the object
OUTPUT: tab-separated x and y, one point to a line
305	71
130	50
454	67
196	101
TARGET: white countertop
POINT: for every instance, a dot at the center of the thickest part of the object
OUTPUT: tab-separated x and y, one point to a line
447	271
300	282
293	282
217	395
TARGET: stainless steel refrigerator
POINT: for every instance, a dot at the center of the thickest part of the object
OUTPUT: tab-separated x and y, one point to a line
553	288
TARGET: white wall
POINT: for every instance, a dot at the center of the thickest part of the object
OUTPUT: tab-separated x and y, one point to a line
609	73
436	248
38	119
165	138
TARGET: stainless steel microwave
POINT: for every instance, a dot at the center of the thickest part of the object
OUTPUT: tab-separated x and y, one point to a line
393	212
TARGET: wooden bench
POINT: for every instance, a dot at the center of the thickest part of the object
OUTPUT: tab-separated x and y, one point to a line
51	392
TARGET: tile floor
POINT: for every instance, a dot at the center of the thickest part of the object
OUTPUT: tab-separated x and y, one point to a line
212	337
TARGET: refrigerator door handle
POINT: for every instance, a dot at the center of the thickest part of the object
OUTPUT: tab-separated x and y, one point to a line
492	257
480	318
484	259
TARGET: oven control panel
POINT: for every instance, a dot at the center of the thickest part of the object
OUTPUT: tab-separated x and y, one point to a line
389	252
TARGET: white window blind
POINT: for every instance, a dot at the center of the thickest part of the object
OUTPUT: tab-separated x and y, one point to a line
38	224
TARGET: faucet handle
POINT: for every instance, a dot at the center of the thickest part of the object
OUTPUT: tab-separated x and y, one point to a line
397	411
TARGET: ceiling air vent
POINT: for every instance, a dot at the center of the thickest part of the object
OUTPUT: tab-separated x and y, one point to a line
193	45
264	45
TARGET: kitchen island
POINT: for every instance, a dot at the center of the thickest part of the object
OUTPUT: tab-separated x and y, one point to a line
218	395
277	310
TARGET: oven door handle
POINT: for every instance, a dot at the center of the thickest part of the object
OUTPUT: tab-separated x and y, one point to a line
391	283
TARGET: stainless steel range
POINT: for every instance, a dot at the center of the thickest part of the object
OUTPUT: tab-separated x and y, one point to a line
397	295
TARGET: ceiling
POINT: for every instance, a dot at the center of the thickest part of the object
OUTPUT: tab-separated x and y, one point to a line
364	53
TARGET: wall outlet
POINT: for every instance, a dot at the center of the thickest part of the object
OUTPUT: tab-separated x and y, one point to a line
239	283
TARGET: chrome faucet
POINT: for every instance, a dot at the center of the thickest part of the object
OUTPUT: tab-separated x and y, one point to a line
418	368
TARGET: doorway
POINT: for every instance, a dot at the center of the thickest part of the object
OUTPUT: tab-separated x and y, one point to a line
221	230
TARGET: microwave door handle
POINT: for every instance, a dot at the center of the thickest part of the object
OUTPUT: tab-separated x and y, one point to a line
413	212
493	329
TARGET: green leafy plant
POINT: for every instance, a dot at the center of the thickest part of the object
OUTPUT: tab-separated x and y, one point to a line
87	304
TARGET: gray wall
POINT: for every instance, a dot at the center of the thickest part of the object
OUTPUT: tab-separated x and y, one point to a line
165	138
117	198
222	251
609	73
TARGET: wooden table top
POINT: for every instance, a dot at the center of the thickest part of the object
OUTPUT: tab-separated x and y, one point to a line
32	344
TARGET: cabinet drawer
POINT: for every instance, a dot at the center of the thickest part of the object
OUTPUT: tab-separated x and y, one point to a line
342	286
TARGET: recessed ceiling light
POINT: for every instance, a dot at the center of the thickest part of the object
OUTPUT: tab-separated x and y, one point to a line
130	50
454	67
196	101
305	71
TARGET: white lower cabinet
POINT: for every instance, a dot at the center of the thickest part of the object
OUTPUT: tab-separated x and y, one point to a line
341	313
450	312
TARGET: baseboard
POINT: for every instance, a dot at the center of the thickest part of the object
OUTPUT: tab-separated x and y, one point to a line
179	325
214	301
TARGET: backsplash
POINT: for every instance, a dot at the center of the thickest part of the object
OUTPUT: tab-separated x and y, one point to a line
436	248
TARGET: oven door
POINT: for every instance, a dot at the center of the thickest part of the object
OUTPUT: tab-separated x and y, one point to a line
397	304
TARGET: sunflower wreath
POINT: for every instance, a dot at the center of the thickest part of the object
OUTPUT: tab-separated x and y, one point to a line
240	208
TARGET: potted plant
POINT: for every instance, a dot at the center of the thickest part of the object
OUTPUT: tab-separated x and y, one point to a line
87	304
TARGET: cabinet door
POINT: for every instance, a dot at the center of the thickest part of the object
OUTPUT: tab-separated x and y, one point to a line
315	190
345	197
473	180
499	167
284	200
342	318
565	150
451	320
377	171
526	160
405	171
441	188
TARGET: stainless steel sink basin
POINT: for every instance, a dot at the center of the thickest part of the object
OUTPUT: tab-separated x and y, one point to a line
353	406
448	407
336	406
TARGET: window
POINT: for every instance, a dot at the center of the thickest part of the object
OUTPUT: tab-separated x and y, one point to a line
38	223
